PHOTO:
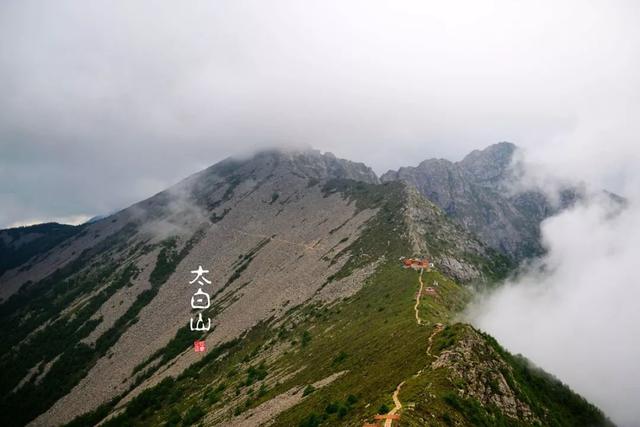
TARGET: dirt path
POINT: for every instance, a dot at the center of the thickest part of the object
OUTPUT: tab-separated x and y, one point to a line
439	327
397	405
417	306
396	400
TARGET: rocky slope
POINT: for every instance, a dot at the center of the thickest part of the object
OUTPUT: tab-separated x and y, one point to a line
313	319
124	281
477	192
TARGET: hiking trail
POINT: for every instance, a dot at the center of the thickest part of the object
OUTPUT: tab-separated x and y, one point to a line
417	306
397	405
438	327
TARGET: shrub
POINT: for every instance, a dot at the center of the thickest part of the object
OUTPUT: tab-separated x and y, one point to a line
192	416
340	357
342	412
331	408
308	390
306	338
174	419
311	420
256	373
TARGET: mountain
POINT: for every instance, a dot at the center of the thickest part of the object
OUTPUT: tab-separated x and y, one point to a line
19	244
477	192
314	321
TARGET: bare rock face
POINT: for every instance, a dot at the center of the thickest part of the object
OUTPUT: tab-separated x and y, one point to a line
475	192
451	249
480	372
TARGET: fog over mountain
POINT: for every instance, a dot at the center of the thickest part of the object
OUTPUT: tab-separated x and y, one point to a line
574	311
105	103
131	97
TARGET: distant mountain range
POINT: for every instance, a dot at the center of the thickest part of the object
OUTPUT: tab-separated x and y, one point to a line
314	319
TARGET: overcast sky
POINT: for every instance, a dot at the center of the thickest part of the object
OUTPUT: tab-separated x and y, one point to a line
104	103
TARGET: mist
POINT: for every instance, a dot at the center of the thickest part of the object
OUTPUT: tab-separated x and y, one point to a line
574	312
104	103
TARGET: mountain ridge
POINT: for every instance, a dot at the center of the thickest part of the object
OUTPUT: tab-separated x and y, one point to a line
478	193
306	289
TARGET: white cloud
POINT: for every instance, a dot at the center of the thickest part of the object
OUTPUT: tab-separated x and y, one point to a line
575	311
111	95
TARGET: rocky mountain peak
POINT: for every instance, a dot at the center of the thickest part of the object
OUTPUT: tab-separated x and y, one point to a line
490	164
303	162
471	192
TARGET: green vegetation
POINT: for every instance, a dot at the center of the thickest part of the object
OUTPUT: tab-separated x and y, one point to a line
306	338
193	415
308	390
256	373
548	397
169	257
213	396
384	241
164	398
475	414
58	343
311	420
536	389
182	340
42	238
341	357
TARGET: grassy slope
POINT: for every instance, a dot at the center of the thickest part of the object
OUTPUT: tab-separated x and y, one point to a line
435	398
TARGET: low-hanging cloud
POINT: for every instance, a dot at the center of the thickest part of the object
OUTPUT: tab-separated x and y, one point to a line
103	103
574	312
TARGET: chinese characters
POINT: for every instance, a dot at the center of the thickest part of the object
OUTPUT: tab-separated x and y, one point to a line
200	300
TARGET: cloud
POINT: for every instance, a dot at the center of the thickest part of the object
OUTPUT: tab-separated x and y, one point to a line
104	103
181	216
574	312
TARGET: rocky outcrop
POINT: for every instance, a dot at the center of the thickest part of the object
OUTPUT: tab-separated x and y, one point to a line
479	373
450	248
477	192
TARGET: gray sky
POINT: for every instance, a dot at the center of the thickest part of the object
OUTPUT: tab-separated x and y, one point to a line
104	103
